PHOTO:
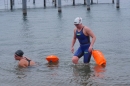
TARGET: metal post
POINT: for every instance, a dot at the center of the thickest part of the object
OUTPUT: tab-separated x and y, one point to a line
84	2
59	5
33	1
44	3
24	5
11	4
73	2
55	3
91	1
117	3
88	4
113	1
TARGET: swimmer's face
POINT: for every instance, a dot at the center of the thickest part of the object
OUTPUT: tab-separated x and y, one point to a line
16	57
78	25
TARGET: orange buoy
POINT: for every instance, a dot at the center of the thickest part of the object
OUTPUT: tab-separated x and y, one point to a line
98	57
52	58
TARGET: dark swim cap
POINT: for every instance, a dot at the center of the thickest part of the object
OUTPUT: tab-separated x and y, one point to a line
19	53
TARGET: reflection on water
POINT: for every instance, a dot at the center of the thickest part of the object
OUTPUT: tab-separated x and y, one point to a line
20	72
24	18
86	75
82	74
52	64
99	70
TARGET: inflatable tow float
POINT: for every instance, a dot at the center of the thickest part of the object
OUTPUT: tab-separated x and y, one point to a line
98	57
52	58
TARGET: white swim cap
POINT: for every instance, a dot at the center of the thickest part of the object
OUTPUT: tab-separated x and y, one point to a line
78	20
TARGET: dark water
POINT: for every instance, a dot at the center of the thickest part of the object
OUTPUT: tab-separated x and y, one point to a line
45	32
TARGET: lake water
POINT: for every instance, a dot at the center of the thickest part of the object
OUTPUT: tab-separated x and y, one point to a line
45	32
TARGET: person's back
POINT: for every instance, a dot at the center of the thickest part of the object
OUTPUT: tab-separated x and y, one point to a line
23	61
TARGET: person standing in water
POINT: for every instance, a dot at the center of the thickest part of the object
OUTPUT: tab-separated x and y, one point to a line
23	61
83	34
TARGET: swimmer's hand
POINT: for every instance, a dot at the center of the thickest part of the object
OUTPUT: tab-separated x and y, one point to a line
90	49
72	49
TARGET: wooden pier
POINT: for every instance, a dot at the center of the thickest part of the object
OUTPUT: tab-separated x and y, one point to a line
86	2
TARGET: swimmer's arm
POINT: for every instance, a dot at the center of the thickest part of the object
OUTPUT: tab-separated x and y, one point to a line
74	39
91	34
21	64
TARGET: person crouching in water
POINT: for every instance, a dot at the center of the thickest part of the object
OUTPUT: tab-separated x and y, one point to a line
83	34
23	61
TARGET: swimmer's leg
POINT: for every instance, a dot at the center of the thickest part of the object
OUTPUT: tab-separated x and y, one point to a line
87	56
78	54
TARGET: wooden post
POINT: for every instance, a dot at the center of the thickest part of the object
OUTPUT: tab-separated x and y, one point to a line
24	6
84	2
55	3
91	1
11	4
88	4
73	2
113	1
33	1
117	3
59	5
44	3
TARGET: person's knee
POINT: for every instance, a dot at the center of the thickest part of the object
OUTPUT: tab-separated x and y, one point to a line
75	59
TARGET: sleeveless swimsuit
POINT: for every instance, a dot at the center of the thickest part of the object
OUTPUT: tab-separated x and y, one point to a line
84	45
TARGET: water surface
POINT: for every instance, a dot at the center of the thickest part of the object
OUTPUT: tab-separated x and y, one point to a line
45	32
